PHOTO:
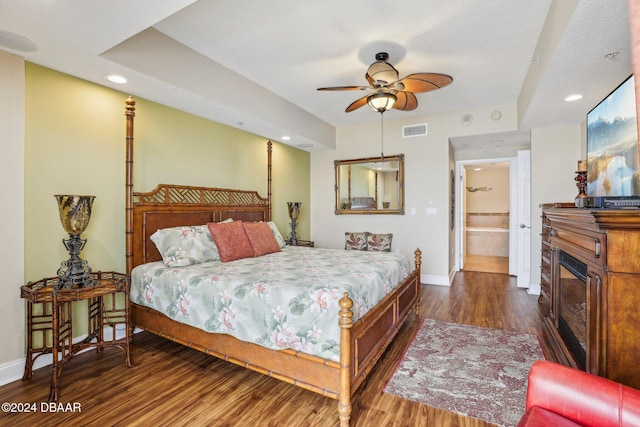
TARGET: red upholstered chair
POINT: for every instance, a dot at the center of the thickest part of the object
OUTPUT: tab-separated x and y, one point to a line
561	396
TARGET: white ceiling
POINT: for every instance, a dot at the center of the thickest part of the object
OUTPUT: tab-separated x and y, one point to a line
244	62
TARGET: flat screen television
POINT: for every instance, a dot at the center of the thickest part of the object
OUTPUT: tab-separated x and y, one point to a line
613	168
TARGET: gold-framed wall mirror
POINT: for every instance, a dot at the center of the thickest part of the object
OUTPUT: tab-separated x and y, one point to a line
373	185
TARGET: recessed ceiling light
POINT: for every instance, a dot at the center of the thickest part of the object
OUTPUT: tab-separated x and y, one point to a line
477	169
573	97
286	138
114	78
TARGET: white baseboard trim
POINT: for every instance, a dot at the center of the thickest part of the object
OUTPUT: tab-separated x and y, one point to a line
13	371
432	279
534	289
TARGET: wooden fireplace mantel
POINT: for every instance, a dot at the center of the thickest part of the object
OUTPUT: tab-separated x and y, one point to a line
608	242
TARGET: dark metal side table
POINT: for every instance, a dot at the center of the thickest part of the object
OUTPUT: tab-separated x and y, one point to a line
50	323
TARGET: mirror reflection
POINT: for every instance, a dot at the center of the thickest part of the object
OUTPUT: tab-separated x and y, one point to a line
370	185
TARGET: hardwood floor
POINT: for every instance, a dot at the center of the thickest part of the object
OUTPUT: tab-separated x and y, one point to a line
487	264
173	385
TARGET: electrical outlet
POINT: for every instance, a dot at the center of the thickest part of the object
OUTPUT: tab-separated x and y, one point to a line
432	211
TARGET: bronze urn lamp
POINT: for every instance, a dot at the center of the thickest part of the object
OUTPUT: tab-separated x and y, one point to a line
294	212
75	213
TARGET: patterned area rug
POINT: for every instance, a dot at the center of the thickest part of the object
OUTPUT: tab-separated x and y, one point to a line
472	371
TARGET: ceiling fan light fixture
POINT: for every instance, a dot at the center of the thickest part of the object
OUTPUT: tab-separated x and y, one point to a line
382	73
381	102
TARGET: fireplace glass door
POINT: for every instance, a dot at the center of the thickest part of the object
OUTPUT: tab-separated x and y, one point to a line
572	306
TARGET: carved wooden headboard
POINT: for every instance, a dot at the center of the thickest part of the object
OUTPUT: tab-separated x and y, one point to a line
179	205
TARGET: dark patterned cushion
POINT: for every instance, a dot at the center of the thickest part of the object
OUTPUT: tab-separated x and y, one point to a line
355	241
379	242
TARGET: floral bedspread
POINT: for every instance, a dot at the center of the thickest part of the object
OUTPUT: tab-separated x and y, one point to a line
287	299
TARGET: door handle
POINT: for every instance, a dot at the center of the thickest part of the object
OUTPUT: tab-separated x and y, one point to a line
524	226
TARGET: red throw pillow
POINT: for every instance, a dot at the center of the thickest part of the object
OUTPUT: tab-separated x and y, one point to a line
261	238
231	240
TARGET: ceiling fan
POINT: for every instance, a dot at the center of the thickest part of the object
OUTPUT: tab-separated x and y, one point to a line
389	91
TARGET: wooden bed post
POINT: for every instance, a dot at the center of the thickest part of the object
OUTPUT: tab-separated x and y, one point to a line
269	144
130	113
344	397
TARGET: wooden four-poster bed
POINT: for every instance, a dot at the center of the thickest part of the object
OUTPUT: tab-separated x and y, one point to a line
360	343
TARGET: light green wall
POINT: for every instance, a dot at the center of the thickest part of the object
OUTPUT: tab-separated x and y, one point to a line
75	144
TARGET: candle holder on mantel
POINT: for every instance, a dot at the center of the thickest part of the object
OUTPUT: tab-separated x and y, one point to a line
75	213
294	212
581	183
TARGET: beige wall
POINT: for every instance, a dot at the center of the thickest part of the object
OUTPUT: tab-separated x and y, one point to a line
12	196
554	156
554	153
428	161
74	144
495	200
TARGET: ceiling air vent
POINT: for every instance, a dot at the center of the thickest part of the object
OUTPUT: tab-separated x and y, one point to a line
410	131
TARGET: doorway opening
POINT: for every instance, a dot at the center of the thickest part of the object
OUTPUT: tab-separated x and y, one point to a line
512	148
486	218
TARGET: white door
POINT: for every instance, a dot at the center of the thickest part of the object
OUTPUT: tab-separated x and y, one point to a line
523	222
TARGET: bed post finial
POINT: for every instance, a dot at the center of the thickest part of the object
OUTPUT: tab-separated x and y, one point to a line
269	144
130	113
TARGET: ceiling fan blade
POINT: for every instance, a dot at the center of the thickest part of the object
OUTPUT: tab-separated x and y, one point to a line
356	104
407	101
345	88
425	82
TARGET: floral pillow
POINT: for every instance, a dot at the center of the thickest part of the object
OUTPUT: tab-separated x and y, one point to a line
379	242
182	246
355	241
276	233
